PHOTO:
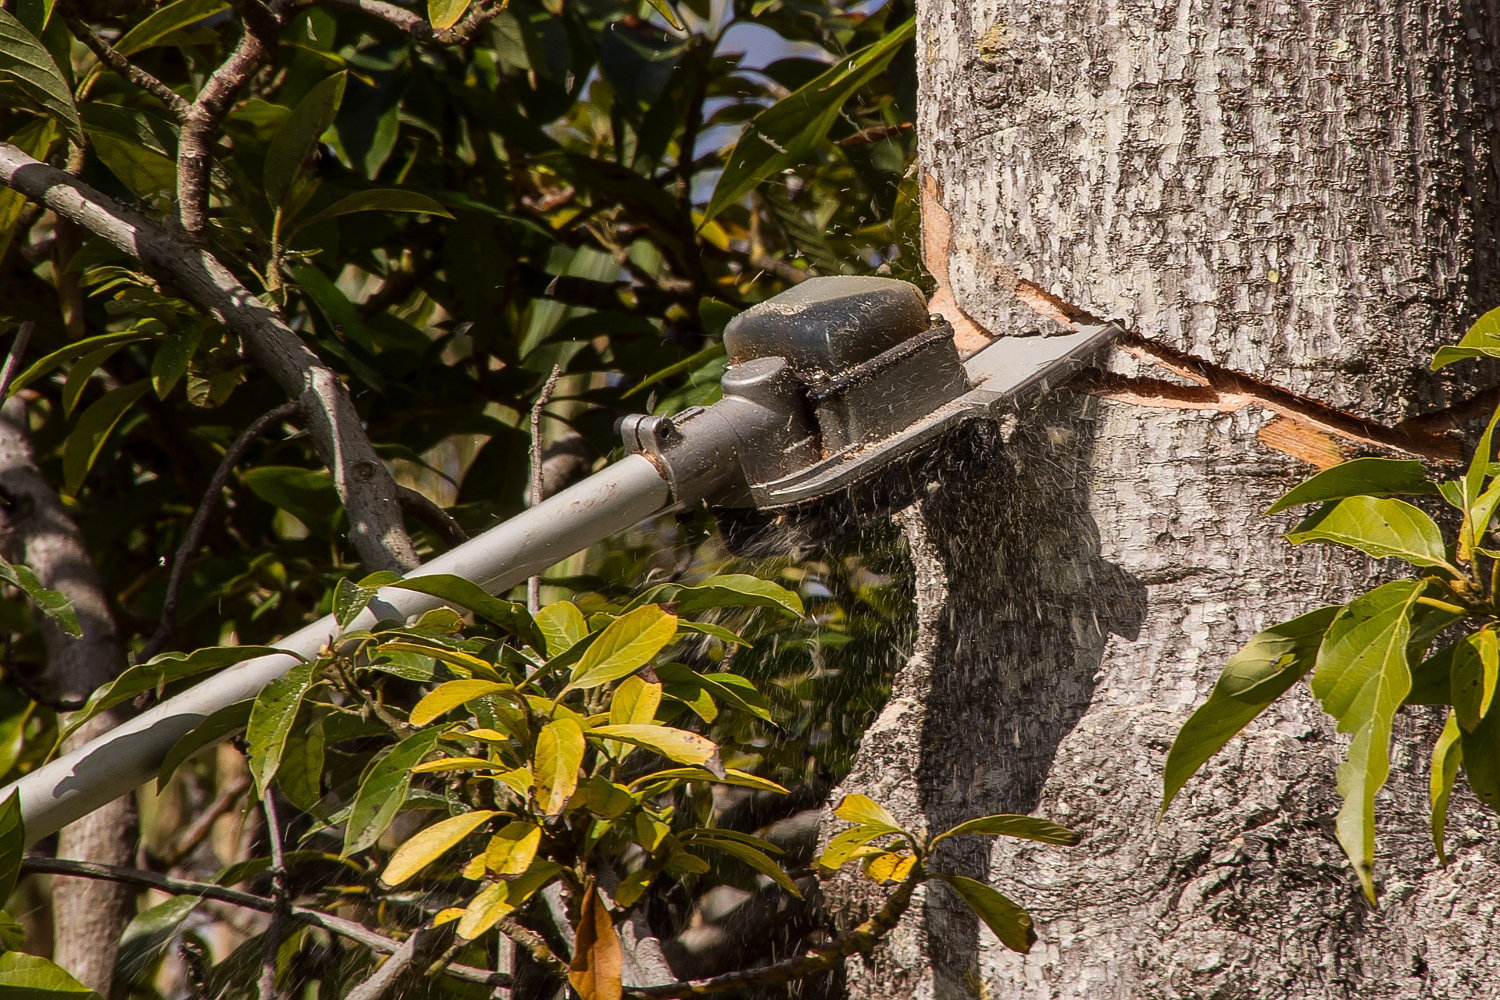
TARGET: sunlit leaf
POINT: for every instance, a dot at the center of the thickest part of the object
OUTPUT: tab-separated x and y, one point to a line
431	844
865	811
626	644
1476	662
448	696
446	13
1361	678
1010	923
1024	827
1361	476
785	134
1447	754
1262	671
561	625
271	720
888	867
674	744
31	977
1378	527
1482	340
559	754
54	604
737	590
513	848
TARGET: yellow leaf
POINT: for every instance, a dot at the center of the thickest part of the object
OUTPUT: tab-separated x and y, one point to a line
429	845
474	868
447	916
674	744
635	701
446	697
517	780
559	754
485	910
453	764
597	959
513	848
446	13
889	867
626	644
865	811
471	664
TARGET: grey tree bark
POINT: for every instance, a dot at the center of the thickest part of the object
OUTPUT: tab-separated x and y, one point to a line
1307	192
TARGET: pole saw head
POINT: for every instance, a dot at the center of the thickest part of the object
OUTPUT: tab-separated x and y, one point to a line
842	398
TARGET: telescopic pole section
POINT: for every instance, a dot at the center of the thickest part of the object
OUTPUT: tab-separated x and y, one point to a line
114	764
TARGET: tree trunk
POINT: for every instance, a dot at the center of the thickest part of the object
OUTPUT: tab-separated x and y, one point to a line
1305	192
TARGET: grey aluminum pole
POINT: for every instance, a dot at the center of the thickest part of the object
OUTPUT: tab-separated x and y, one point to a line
74	785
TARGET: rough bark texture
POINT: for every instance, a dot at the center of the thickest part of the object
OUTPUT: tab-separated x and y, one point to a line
1306	192
88	916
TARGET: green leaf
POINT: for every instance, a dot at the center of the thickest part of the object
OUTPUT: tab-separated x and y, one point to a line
788	132
378	200
30	977
865	811
664	8
634	701
562	626
54	604
159	671
229	719
89	434
300	776
25	61
171	360
737	590
12	844
674	744
847	845
290	147
1447	754
1010	923
559	755
446	13
383	789
271	720
1377	527
456	590
1482	340
1262	671
448	696
431	844
1361	678
350	600
755	857
76	349
1481	759
306	494
677	775
1476	662
1359	477
1005	825
161	23
626	644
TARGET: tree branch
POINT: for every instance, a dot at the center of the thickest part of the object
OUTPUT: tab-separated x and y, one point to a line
419	27
14	355
358	933
856	942
111	57
364	484
201	120
426	510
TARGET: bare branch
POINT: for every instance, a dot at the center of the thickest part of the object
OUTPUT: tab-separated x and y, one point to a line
271	944
415	953
414	24
111	57
199	524
14	356
426	510
358	933
201	121
364	484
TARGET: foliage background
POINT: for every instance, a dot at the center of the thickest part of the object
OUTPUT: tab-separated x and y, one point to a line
443	224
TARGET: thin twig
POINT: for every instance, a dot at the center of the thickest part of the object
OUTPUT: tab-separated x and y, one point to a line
111	57
200	522
204	824
418	27
358	933
534	494
271	944
407	960
13	357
